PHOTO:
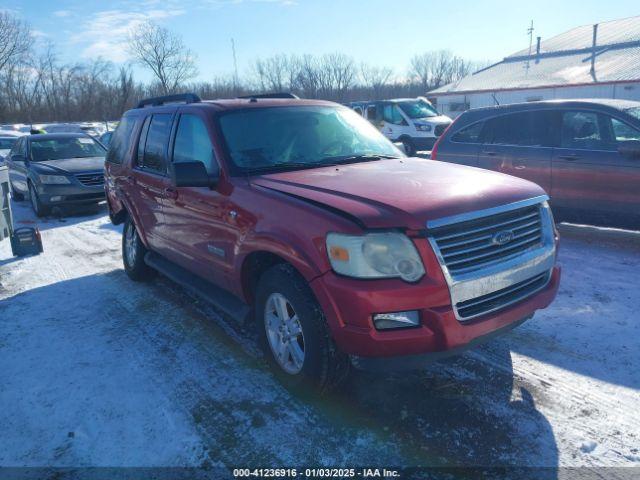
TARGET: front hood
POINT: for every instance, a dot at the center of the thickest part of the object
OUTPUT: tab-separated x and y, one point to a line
439	120
71	165
401	192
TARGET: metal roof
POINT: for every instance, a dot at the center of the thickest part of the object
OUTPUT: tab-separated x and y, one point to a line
564	60
609	33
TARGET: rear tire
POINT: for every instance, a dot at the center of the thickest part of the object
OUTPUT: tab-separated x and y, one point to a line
133	252
38	208
308	356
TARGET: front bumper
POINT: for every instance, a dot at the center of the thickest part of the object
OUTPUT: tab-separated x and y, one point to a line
349	306
71	194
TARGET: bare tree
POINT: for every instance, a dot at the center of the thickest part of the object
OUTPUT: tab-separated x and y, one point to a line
15	39
164	53
434	69
375	78
338	74
273	73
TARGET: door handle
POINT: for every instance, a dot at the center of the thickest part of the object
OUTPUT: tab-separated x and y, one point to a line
171	192
569	157
489	153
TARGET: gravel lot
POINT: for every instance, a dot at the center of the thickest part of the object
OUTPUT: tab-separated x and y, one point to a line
100	371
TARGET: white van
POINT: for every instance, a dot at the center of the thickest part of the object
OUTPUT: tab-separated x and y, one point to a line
412	121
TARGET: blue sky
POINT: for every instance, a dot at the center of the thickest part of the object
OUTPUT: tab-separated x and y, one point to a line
378	32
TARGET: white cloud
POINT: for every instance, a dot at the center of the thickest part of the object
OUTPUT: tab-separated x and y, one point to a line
62	13
104	34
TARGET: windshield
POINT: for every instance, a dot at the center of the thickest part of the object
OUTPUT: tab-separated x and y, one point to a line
7	143
418	109
65	147
301	137
634	112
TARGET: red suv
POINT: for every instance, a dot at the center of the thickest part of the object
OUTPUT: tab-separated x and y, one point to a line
346	251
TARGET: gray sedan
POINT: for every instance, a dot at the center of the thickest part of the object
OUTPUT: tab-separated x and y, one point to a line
56	170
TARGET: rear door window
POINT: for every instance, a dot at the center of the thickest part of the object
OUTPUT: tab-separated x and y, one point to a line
155	147
192	143
527	129
582	130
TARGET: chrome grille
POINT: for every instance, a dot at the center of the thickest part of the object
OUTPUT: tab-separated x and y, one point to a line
501	298
475	244
91	179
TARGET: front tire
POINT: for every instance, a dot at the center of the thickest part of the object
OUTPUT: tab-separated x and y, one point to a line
409	147
294	334
133	252
38	208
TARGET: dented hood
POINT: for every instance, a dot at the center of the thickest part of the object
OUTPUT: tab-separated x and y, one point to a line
402	193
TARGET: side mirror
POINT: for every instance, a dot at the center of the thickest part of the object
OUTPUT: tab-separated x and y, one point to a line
192	174
630	148
18	158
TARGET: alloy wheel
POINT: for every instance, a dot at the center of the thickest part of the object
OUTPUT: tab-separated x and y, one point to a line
284	333
130	245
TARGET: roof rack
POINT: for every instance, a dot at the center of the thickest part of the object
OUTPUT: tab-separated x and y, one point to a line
270	95
181	97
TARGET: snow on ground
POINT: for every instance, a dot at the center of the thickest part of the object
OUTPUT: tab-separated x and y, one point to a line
99	371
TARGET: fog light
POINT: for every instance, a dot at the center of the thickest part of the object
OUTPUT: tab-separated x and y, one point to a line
56	198
385	321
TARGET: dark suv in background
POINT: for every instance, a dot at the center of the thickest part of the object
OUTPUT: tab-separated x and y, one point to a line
584	153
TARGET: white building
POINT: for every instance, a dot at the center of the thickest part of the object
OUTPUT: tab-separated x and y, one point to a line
601	60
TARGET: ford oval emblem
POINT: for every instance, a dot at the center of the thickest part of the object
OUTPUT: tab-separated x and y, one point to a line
503	237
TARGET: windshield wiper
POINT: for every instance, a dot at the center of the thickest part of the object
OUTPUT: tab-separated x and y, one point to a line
327	162
281	166
368	157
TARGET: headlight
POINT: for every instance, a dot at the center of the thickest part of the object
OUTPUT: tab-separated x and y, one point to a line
423	128
375	255
54	179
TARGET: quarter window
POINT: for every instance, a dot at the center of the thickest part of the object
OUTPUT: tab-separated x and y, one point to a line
470	134
18	148
372	113
193	144
119	144
142	141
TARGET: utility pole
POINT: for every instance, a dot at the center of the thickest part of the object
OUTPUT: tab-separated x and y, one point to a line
235	67
530	32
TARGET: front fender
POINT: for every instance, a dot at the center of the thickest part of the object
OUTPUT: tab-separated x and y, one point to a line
305	258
